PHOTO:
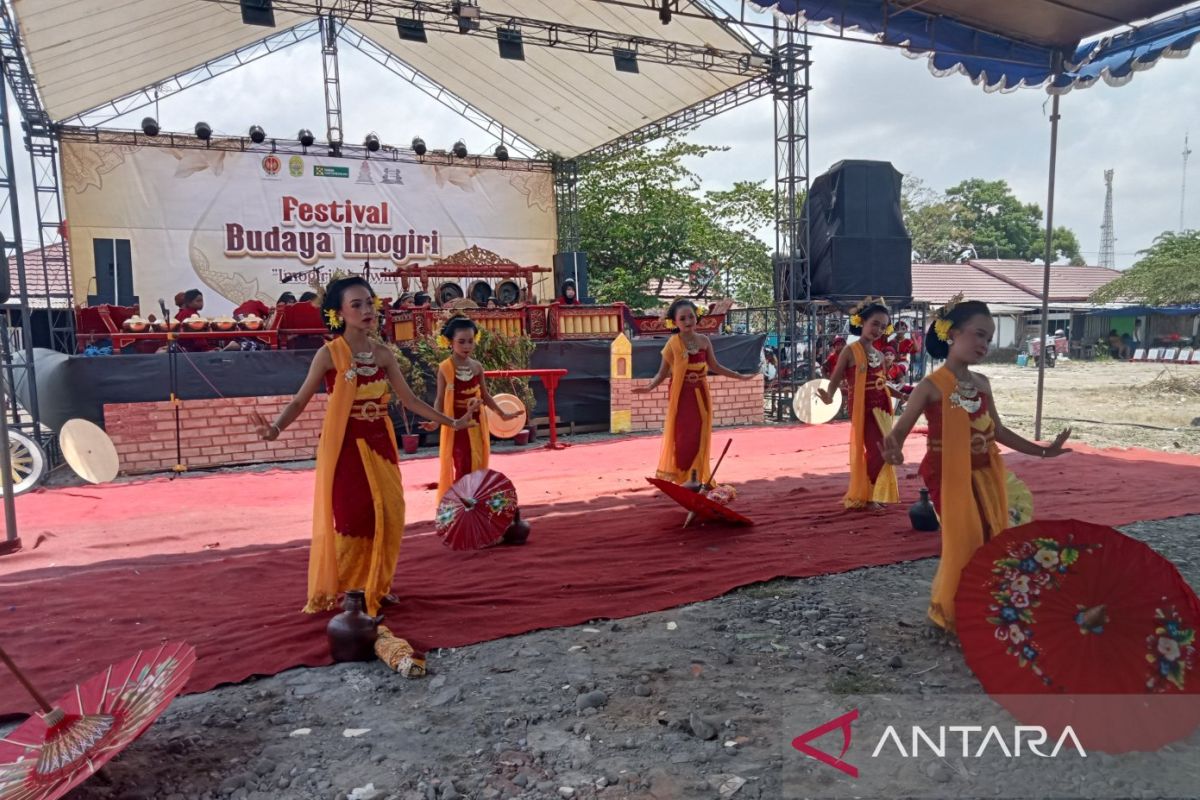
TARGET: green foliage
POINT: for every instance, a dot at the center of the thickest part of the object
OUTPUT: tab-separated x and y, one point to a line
1001	226
1167	274
934	223
643	221
494	352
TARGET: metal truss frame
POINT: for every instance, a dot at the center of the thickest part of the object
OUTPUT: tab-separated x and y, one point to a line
149	95
566	201
333	83
444	17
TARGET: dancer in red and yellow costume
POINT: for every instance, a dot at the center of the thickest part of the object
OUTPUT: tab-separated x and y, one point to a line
687	358
962	469
461	386
358	507
872	480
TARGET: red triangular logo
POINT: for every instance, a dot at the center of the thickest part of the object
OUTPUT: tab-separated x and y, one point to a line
801	742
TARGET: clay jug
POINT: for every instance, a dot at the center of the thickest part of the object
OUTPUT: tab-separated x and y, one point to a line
352	633
518	530
693	485
922	514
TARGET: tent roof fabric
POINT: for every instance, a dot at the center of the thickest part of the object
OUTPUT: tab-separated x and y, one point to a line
86	53
1003	46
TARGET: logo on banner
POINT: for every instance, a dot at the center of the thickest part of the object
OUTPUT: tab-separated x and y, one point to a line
392	176
271	165
296	166
323	171
364	173
842	724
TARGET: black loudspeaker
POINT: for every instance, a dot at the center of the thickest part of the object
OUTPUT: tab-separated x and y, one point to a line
859	245
573	266
258	12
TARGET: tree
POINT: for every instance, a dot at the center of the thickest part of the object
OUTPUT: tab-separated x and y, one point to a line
1001	226
934	223
1167	274
643	221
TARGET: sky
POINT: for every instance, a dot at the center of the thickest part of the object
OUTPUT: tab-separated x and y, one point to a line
867	102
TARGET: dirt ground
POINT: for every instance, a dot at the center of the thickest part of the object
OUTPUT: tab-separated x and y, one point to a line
684	703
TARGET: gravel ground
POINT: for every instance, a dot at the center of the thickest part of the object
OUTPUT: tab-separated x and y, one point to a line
679	704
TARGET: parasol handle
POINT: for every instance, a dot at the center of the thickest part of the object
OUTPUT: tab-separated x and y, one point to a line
1094	617
37	696
712	476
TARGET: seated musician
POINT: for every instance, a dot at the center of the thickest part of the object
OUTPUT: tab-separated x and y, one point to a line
568	296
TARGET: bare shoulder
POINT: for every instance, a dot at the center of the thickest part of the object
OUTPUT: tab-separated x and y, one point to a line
928	389
982	381
707	342
323	360
383	355
476	366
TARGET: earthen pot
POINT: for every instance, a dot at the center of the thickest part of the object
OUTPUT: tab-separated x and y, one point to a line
922	514
518	530
352	633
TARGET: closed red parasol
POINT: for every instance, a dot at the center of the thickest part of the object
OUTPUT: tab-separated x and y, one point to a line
477	510
52	753
700	504
1068	623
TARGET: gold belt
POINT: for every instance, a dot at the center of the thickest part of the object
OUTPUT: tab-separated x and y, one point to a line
368	411
693	377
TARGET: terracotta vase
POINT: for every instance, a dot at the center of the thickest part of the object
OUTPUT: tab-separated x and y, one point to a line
922	514
352	633
410	442
692	484
518	530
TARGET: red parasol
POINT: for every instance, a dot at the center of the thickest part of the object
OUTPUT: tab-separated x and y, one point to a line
52	753
700	504
1065	622
476	510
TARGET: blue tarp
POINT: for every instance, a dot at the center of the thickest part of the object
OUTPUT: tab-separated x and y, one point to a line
1145	311
995	62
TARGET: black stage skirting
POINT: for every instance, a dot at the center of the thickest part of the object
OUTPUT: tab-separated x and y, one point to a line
78	386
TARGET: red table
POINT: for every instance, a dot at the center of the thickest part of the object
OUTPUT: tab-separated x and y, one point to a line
549	380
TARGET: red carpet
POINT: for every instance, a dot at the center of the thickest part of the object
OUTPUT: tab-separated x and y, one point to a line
220	560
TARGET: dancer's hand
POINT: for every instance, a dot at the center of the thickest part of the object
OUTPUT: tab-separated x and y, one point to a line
429	425
748	377
266	430
825	394
893	452
465	421
507	415
1056	448
647	389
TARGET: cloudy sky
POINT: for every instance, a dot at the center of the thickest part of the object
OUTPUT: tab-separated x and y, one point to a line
867	102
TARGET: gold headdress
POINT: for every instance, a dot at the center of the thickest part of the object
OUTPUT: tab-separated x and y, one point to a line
942	323
856	310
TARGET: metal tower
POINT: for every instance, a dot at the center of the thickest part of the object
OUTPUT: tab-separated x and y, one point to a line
1108	254
1183	183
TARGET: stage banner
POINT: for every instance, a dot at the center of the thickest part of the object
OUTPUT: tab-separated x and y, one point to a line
240	226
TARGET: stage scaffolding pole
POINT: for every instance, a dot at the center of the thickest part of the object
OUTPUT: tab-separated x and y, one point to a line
1045	326
790	90
333	84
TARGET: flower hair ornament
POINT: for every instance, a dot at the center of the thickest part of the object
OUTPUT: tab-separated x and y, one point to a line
856	310
670	325
942	324
333	318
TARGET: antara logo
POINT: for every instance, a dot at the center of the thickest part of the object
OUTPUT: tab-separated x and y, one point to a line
1032	736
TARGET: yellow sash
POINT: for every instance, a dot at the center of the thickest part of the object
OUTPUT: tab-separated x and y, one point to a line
962	504
322	556
675	354
860	491
480	435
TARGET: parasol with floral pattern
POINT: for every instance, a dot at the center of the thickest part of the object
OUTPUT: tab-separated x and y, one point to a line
476	510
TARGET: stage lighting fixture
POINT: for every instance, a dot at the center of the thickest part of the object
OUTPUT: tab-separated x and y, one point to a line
411	30
203	131
418	145
257	134
306	137
511	46
372	143
150	126
459	149
467	15
664	12
257	12
501	153
625	60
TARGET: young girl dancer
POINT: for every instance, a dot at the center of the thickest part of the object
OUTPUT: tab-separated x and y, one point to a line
962	468
459	384
872	480
358	509
688	357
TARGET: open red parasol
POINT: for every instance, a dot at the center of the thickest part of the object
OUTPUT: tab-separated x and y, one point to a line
700	504
476	510
1065	622
52	753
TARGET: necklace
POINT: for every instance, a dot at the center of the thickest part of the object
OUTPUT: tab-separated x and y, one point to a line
966	396
874	357
692	347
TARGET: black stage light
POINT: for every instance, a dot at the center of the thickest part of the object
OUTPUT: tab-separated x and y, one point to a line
418	145
258	12
257	134
511	46
203	131
460	149
372	143
625	60
411	30
467	15
150	126
501	153
664	12
306	137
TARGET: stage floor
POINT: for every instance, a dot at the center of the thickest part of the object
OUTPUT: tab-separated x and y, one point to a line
220	560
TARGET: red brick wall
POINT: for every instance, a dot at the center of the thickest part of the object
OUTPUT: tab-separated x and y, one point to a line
214	433
735	402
